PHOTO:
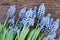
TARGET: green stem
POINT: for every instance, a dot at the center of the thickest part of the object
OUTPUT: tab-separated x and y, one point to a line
17	22
41	36
6	21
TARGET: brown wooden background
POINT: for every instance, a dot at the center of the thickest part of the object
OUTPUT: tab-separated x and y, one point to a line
52	6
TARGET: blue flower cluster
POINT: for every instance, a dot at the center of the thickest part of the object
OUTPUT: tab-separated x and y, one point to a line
11	21
46	23
11	10
22	12
41	10
51	36
57	38
29	17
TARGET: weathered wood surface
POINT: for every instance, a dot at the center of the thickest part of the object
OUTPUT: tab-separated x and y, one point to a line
52	6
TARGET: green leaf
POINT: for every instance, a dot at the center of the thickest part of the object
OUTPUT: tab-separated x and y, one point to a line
1	35
9	36
18	35
24	33
36	34
44	38
1	28
41	36
38	37
4	34
6	21
1	31
31	34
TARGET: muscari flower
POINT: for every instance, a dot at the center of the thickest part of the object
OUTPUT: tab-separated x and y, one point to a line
41	10
15	30
11	10
34	12
47	24
47	20
52	28
51	36
30	22
29	13
41	22
55	25
11	21
32	18
57	38
51	21
21	23
22	12
35	9
29	18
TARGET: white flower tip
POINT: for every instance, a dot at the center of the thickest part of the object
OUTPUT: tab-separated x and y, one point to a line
35	7
42	4
49	15
30	9
42	8
25	7
13	6
57	19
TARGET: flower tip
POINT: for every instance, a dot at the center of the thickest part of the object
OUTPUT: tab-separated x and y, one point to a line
42	4
25	7
57	20
35	7
11	10
30	9
14	5
49	15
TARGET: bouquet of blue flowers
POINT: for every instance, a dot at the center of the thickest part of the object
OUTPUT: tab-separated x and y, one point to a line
31	24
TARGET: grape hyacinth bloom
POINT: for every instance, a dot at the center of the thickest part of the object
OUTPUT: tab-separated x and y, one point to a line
51	21
11	21
55	25
28	20
47	20
47	24
42	22
34	12
41	10
30	16
21	15
29	13
57	38
35	9
14	30
11	10
51	36
22	12
21	23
